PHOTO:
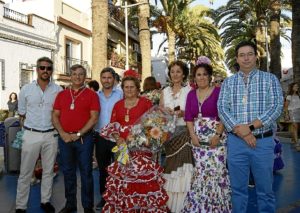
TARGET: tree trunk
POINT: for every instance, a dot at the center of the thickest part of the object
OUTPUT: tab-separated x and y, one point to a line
144	36
261	47
296	40
275	45
100	30
171	43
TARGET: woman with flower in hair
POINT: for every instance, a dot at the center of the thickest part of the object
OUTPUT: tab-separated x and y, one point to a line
137	185
210	189
179	159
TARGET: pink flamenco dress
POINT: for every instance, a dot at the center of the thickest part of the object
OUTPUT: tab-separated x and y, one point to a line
137	185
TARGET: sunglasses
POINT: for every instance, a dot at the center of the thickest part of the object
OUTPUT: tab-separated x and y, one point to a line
45	68
218	81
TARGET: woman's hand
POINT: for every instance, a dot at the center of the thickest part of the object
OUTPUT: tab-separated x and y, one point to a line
214	141
195	140
120	140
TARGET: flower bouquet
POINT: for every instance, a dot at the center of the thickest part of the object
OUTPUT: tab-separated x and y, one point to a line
151	130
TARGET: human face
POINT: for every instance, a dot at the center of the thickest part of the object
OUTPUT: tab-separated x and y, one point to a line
130	90
44	71
13	96
107	80
246	58
295	87
176	74
77	78
202	78
218	81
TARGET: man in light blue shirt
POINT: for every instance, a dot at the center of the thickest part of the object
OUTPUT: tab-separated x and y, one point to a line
108	96
249	104
35	107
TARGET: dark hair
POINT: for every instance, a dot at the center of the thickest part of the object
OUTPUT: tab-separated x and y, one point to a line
110	70
290	90
77	66
182	65
243	44
45	59
94	85
151	82
131	78
207	67
117	77
11	95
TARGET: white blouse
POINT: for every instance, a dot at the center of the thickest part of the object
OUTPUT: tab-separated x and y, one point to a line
179	99
294	102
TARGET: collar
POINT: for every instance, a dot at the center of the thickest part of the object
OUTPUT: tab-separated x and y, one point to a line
48	85
251	74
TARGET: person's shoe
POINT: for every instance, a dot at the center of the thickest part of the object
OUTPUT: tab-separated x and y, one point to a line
20	210
68	210
100	204
47	207
89	210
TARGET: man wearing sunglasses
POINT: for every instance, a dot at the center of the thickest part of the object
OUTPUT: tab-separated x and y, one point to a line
35	104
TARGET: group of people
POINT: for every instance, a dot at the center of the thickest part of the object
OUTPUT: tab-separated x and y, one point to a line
221	133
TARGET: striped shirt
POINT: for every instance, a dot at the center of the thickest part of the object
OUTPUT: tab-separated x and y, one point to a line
242	100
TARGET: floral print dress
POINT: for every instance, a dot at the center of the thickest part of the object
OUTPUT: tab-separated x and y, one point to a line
210	188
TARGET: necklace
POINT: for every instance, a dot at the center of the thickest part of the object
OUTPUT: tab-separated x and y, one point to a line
128	107
207	93
72	106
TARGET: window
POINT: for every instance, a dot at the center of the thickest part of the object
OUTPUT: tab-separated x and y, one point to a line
2	71
26	77
73	53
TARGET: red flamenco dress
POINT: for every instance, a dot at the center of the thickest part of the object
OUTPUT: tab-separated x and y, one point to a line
138	185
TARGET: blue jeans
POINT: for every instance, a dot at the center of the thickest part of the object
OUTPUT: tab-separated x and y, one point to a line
241	158
71	154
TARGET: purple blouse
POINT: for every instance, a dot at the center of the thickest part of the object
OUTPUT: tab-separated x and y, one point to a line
209	106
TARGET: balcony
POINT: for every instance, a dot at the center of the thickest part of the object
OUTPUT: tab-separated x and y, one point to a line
16	16
69	62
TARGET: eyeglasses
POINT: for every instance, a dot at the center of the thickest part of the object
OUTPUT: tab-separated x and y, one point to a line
46	68
218	81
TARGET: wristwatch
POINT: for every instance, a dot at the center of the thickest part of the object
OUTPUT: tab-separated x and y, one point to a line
251	127
78	134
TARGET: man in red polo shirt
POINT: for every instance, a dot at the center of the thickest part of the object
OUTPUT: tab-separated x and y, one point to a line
76	111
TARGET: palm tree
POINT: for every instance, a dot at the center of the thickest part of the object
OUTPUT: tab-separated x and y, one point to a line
296	40
145	39
197	35
172	8
100	30
250	19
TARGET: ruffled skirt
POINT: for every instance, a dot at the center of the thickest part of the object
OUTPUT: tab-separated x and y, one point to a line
136	187
178	169
210	189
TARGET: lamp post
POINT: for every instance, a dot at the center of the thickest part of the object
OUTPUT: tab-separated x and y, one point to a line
126	6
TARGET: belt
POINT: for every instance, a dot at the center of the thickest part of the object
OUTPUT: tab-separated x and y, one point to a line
264	135
261	135
36	130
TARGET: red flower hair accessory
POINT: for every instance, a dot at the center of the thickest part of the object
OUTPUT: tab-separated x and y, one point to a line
132	73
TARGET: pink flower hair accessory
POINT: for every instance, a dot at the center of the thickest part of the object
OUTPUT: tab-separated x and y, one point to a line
203	60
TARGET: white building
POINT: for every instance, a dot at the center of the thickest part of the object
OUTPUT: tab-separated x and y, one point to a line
72	34
23	39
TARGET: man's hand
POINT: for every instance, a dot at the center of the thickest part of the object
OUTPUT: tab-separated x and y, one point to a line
66	137
250	140
241	130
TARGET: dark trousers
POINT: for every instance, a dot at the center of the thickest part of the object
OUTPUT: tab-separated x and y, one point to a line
104	158
71	154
